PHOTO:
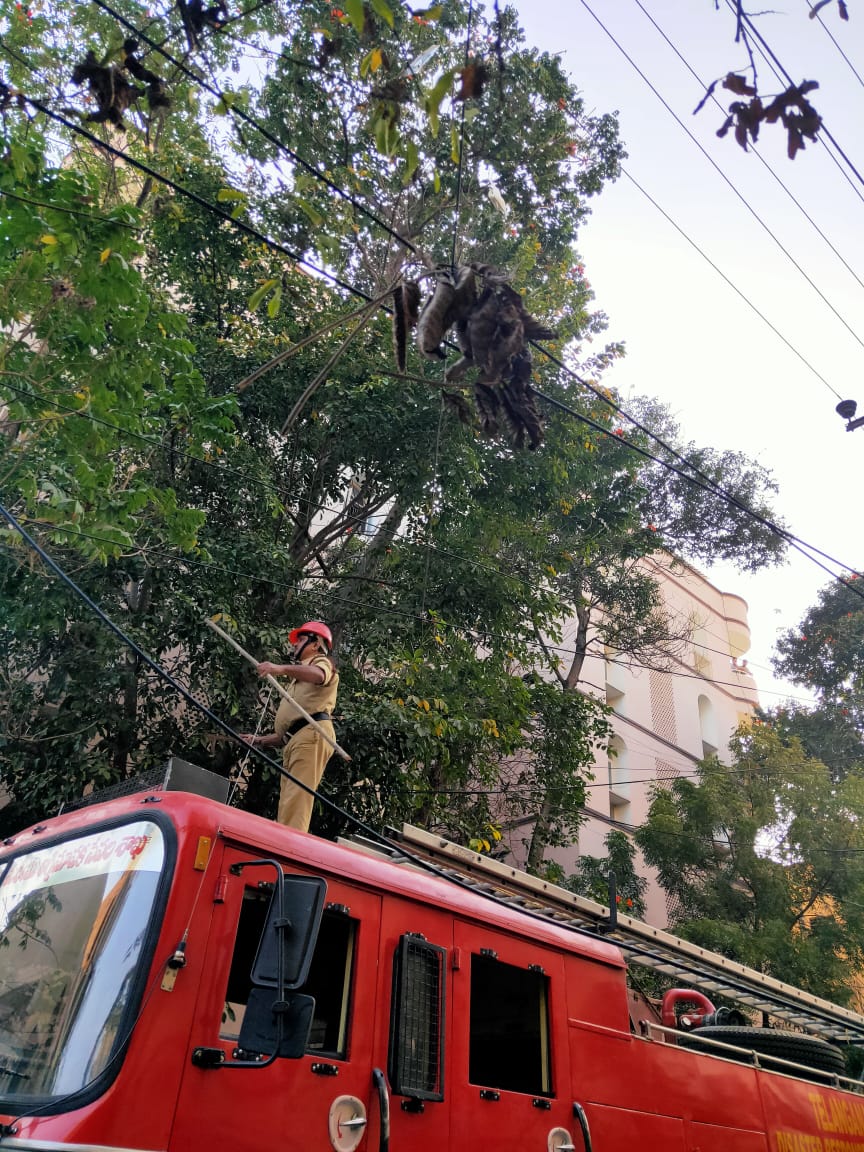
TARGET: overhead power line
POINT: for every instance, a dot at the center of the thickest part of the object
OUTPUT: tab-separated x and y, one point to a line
731	283
241	114
692	473
738	194
818	16
766	48
480	635
755	151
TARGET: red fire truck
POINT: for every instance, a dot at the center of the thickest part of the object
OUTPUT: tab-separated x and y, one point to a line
177	975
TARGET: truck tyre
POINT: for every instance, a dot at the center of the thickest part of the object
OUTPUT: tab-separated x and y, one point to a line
807	1050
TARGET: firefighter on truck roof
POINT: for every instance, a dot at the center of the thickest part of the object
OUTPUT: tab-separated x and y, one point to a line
305	753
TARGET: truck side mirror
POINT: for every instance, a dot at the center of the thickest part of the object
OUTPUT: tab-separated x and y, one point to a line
293	929
259	1031
276	1022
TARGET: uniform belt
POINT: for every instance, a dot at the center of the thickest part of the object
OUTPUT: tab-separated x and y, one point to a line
294	728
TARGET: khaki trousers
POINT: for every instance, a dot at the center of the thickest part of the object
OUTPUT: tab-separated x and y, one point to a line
304	756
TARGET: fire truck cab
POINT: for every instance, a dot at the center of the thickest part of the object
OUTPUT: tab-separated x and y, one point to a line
177	975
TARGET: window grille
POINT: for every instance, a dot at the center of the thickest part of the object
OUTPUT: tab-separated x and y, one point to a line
417	1020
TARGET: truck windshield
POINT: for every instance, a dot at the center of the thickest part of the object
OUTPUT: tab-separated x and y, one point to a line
74	918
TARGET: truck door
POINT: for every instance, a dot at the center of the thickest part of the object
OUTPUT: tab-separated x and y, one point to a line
413	1028
509	1061
294	1104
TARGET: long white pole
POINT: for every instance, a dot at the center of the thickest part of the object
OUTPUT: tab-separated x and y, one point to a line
282	692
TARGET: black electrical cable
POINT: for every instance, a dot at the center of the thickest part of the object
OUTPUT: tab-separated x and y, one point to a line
419	617
241	225
746	20
740	196
731	283
714	489
258	126
710	486
154	666
70	211
815	14
755	151
404	853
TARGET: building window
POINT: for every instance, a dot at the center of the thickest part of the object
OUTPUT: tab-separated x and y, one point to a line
616	696
707	727
619	781
416	1063
329	980
509	1027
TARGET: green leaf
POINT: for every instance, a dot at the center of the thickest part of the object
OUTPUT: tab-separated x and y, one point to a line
382	9
355	13
454	143
226	194
440	89
225	103
412	159
436	181
259	294
312	212
275	303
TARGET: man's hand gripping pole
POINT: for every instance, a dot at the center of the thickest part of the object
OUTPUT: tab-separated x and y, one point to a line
282	692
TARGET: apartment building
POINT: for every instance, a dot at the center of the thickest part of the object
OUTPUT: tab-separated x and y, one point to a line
665	719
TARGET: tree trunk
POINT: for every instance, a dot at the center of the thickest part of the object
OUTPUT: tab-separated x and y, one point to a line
137	596
540	835
538	839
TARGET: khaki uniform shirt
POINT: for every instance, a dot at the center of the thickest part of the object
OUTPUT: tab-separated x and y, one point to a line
313	697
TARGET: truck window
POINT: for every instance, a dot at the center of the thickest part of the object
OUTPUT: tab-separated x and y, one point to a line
329	979
76	933
509	1027
416	1060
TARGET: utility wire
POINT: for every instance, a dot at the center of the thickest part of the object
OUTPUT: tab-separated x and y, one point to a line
161	672
731	283
770	54
421	618
828	149
726	179
259	127
756	153
241	225
184	560
817	16
710	485
70	211
457	216
457	212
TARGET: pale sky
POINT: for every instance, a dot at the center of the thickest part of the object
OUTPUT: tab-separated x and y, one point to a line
691	340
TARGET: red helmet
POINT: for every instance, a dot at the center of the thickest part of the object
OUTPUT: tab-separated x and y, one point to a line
312	628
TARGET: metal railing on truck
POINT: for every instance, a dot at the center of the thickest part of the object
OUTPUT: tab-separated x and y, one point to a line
641	944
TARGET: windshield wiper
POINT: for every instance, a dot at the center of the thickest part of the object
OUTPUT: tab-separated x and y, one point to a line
12	1072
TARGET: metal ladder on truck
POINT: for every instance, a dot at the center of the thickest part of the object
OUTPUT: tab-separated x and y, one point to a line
649	947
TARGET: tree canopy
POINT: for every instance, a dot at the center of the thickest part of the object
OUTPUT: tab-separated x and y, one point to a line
764	859
294	160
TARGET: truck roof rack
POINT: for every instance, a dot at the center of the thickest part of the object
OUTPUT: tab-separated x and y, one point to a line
641	944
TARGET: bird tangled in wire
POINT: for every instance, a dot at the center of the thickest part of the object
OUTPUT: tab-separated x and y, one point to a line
492	329
113	92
